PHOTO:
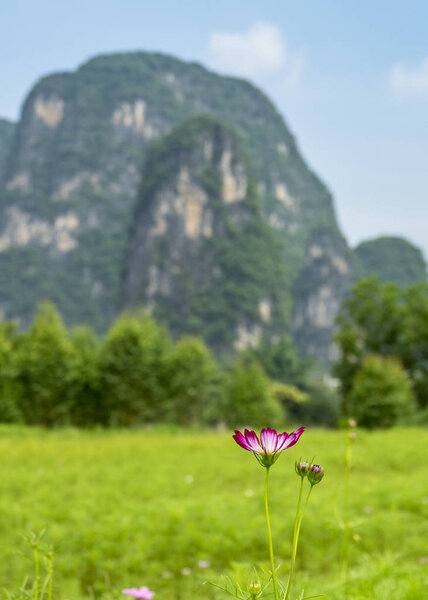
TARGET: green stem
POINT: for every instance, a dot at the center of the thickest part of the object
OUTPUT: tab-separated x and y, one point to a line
275	587
294	550
36	576
346	529
50	571
297	526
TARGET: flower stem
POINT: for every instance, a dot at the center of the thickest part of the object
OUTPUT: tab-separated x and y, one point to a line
293	554
50	574
347	525
275	587
36	573
297	526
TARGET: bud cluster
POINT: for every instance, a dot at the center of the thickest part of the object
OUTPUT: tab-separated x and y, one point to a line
254	589
314	473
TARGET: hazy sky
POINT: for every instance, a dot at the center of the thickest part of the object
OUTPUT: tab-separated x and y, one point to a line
350	78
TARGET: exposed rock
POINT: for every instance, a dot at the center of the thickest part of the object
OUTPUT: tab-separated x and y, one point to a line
191	258
49	110
133	116
21	181
319	292
22	229
71	197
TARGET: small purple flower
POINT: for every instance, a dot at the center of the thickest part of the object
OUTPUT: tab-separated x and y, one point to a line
352	435
204	564
270	445
315	474
142	592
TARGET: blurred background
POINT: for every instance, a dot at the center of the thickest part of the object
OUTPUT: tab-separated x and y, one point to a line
212	215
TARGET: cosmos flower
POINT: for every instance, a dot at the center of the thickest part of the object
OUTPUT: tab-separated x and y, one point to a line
270	445
142	592
302	468
315	474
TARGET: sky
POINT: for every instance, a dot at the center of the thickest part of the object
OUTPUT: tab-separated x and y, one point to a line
350	79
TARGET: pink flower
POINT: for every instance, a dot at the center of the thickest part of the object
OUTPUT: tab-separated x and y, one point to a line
204	564
142	592
271	443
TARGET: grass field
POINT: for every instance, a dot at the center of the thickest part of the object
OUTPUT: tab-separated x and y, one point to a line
132	508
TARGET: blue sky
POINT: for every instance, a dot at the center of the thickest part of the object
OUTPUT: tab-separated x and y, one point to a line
350	78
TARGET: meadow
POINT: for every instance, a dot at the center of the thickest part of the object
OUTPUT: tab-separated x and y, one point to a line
126	508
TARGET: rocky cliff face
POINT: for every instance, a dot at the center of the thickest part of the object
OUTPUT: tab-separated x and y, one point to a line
70	187
202	257
319	291
212	234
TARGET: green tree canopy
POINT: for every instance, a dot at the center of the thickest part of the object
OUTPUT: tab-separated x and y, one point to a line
380	318
248	398
43	363
132	370
381	392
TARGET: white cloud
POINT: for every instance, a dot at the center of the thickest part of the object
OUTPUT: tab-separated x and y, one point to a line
410	81
258	52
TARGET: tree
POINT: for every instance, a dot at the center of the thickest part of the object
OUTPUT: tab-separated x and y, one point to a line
192	374
248	399
44	360
87	404
132	370
379	318
381	392
9	409
280	361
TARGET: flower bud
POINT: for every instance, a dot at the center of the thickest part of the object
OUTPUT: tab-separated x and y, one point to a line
315	474
352	423
254	589
302	468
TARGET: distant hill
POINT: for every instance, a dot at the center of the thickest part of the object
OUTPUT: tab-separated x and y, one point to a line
72	216
392	259
143	179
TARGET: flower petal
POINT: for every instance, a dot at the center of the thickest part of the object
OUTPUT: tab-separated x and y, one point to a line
253	441
269	440
281	439
240	439
290	439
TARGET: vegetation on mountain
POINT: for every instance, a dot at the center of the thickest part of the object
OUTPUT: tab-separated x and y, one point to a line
79	146
391	259
7	129
216	280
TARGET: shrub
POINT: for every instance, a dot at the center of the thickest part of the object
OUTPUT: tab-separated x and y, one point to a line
9	409
248	398
133	369
43	369
191	381
381	393
87	405
322	407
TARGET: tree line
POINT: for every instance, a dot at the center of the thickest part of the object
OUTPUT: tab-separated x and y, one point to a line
135	374
382	336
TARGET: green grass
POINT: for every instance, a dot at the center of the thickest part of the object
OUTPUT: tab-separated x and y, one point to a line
131	508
